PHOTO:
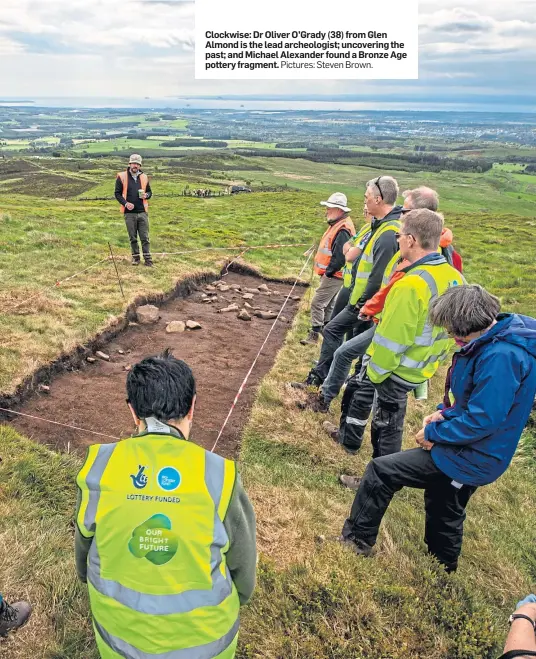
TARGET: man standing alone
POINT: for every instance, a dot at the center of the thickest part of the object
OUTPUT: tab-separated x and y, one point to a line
132	190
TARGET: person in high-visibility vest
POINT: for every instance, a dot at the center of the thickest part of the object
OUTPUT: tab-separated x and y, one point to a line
165	533
328	263
13	616
406	349
471	439
380	197
132	191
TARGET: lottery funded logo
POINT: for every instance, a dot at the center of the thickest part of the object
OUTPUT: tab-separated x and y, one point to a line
139	480
168	479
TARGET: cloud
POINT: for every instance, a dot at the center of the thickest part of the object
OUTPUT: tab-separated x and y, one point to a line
468	49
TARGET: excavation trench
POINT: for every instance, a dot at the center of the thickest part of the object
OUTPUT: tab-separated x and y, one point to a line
92	395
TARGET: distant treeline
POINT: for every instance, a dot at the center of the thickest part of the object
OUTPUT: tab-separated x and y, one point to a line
410	163
214	144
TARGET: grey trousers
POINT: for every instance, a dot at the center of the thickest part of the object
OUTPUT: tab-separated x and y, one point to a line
324	300
342	362
138	224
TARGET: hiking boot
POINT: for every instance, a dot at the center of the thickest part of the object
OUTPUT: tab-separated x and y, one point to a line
312	380
135	262
312	338
316	403
149	264
351	482
356	545
13	616
332	430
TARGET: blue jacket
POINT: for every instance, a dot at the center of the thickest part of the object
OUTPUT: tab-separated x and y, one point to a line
494	383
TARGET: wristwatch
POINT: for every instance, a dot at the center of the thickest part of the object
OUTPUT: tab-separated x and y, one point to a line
515	616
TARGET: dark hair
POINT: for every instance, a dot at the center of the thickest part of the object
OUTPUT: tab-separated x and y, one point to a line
462	310
161	386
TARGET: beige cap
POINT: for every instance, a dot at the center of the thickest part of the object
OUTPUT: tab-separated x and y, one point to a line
135	157
337	200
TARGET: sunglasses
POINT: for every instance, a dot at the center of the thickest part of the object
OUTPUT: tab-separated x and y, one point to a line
377	184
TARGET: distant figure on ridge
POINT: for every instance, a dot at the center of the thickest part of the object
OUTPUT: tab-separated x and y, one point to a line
329	261
132	191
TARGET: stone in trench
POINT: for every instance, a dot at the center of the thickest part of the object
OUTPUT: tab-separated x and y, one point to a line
265	315
91	360
234	287
247	296
210	289
128	367
251	290
175	326
192	325
263	288
295	297
248	306
148	314
283	319
102	355
231	307
121	351
223	288
43	388
243	315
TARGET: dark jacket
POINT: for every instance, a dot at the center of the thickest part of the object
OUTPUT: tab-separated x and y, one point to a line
337	258
383	251
493	380
132	193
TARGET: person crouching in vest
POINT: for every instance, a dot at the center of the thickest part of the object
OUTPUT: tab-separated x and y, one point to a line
329	261
132	191
406	349
165	533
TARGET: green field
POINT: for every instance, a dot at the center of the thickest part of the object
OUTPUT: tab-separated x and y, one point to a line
313	600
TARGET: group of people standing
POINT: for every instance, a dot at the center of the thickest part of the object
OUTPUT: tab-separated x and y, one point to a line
400	304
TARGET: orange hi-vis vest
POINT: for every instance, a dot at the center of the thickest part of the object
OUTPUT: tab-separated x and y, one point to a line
143	186
324	253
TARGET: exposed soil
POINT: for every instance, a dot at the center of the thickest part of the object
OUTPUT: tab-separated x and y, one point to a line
220	354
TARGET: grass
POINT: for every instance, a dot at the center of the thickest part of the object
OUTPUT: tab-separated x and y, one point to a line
313	600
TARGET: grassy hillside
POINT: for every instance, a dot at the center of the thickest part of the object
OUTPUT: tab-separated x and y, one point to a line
314	600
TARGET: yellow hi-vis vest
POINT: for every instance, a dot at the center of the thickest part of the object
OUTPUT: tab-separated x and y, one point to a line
347	268
406	344
366	261
157	576
143	186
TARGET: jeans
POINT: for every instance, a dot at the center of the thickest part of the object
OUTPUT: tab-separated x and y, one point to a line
333	335
444	502
387	400
341	301
342	362
138	223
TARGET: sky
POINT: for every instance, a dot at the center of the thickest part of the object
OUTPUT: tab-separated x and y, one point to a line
478	54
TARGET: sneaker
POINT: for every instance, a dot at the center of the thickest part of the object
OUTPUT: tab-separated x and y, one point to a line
149	264
356	545
332	430
312	338
135	262
316	403
13	616
351	482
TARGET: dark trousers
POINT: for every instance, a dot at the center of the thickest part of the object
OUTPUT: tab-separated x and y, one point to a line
388	401
138	224
444	502
341	301
333	337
